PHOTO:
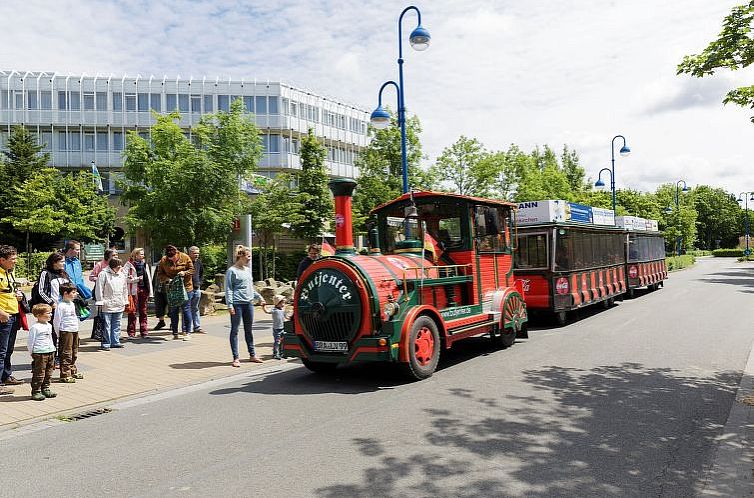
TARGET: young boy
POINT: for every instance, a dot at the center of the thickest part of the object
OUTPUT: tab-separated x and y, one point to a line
66	322
42	351
278	317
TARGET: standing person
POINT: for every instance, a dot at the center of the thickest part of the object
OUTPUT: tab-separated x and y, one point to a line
112	296
66	322
73	268
42	351
279	316
312	254
140	287
101	265
160	299
9	317
50	280
177	264
239	294
196	294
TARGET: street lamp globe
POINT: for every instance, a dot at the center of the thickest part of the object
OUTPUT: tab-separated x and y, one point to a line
380	118
599	184
624	151
419	39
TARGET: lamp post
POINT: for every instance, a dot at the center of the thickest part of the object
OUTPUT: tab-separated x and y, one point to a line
624	151
679	238
745	197
380	118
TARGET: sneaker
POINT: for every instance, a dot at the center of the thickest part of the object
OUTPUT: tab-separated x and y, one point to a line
37	396
187	337
175	337
199	331
256	359
104	348
48	394
116	346
160	325
236	363
78	375
67	380
12	381
6	390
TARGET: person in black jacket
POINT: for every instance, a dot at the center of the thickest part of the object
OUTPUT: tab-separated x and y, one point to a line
160	300
196	294
313	252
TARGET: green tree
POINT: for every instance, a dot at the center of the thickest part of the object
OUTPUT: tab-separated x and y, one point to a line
719	217
315	206
538	175
463	165
381	170
678	221
733	49
187	193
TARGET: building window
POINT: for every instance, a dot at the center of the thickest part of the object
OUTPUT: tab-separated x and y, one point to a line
130	102
4	99
223	103
208	107
101	101
18	98
31	99
61	140
62	101
102	141
272	144
156	102
117	140
171	102
261	105
88	101
294	109
248	102
143	102
89	142
46	141
274	108
117	101
74	141
74	102
196	104
183	102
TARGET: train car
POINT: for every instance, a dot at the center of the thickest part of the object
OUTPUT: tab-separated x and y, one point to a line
440	269
569	256
645	254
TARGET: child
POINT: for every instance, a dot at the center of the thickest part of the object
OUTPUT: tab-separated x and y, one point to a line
42	351
278	317
66	322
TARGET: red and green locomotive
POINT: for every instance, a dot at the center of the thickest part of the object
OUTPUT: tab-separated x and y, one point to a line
440	269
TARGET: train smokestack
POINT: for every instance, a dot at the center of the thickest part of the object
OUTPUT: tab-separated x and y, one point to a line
342	189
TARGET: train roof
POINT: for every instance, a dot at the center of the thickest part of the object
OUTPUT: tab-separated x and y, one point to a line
423	194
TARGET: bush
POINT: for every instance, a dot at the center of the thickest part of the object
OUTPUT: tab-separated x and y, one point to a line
215	260
699	252
30	271
286	264
678	262
728	253
750	257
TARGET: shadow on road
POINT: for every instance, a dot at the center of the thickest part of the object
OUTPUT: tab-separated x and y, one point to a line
742	277
621	430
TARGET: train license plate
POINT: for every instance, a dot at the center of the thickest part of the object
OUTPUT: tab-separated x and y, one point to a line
338	346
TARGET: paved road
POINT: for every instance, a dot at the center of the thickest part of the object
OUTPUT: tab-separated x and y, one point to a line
625	402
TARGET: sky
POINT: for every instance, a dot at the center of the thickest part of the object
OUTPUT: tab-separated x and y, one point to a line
534	73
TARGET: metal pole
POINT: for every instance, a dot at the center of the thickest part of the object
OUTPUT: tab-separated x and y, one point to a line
402	104
678	222
612	171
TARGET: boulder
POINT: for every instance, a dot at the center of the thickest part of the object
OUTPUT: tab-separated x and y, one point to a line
268	293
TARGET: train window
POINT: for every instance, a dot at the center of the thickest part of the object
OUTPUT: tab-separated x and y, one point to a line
489	224
532	251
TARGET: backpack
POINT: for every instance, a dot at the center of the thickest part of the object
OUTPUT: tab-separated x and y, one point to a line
35	297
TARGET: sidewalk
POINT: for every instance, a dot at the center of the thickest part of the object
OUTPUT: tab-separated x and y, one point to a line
143	366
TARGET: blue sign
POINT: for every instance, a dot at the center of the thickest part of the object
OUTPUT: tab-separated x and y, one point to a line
579	213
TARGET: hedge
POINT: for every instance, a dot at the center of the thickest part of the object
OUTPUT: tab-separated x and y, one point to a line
728	253
678	262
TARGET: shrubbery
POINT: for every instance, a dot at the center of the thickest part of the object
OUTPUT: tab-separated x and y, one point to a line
215	259
699	252
30	270
678	262
728	253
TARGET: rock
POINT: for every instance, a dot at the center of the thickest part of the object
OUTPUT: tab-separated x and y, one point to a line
286	290
268	293
270	282
206	303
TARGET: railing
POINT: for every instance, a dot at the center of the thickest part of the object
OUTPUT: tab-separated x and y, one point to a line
443	275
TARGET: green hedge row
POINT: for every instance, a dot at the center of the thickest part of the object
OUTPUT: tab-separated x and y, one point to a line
728	253
678	262
699	252
30	265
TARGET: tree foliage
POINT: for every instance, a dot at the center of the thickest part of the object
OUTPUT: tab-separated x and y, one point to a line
183	192
733	49
315	206
465	167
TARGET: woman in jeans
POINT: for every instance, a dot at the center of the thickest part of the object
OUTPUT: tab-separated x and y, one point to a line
112	296
239	295
139	274
49	289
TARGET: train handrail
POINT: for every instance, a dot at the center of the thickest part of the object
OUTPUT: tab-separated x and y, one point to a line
425	269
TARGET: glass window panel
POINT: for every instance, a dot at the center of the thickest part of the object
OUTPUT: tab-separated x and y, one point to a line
183	102
31	99
265	143
89	142
62	101
61	140
260	105
248	101
196	104
273	106
88	101
143	102
19	100
223	103
4	99
102	141
274	143
208	107
117	140
74	141
101	101
171	102
46	140
131	102
117	101
156	102
74	103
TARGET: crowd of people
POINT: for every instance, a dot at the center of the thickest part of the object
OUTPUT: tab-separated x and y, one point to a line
60	301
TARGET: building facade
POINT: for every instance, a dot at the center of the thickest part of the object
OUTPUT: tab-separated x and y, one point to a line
82	119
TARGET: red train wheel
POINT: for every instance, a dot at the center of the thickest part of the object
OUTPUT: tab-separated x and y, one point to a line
424	349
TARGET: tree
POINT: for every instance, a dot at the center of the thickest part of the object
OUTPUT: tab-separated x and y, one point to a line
719	217
187	193
733	49
677	221
315	202
463	165
381	170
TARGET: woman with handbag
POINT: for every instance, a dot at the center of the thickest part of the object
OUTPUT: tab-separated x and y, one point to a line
112	297
176	268
139	289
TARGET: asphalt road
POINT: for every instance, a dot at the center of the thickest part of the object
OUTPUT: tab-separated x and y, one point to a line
624	402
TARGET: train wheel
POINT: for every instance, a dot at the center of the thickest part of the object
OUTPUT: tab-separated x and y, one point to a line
512	320
561	318
318	366
506	337
424	349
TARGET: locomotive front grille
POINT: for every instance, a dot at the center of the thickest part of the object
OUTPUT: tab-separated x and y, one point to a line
337	326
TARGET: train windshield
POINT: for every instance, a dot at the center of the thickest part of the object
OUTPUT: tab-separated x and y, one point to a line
441	221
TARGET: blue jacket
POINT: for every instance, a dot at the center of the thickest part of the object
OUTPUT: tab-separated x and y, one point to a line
76	274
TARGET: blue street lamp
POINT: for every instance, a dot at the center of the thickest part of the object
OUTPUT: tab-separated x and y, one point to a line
380	118
744	197
679	238
624	151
